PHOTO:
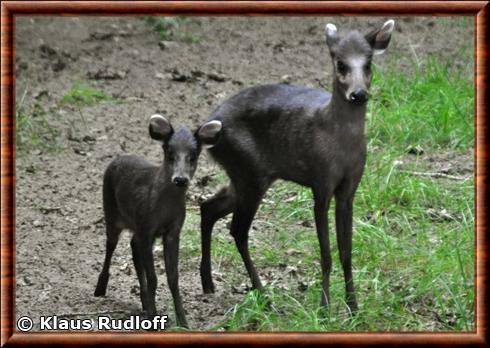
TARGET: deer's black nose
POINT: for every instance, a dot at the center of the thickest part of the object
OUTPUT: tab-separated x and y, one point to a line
359	96
181	181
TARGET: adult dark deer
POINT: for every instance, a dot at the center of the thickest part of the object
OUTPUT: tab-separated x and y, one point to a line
304	135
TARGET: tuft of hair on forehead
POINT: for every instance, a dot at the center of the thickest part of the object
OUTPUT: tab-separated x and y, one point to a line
183	138
353	44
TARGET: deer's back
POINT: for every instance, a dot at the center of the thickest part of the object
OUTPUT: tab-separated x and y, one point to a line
127	181
130	172
278	131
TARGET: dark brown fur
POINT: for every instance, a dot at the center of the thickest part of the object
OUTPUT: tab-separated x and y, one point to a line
304	135
149	200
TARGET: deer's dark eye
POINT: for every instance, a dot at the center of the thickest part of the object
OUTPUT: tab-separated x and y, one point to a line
341	68
367	67
170	156
193	158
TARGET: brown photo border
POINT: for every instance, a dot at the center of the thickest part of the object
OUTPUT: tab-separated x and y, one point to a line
10	9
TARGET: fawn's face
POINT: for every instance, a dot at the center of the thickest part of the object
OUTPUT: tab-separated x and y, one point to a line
182	147
181	153
351	57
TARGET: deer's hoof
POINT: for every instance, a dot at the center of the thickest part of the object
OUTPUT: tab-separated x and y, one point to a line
183	324
208	288
99	292
353	307
150	314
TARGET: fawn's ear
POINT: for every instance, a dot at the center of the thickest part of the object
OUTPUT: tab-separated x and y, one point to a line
160	128
331	35
380	38
208	133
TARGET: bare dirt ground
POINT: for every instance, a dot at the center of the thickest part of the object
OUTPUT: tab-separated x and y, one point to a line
60	232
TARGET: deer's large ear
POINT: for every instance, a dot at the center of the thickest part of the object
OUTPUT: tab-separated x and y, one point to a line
208	134
160	128
331	35
380	38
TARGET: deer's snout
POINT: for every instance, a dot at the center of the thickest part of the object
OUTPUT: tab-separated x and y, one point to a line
181	181
359	96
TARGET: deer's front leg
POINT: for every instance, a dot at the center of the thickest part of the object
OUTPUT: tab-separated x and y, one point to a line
151	278
140	271
171	255
343	222
322	202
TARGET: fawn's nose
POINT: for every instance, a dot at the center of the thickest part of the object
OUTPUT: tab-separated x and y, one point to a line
359	96
181	181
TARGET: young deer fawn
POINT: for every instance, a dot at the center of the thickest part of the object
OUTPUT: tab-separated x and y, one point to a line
150	201
304	135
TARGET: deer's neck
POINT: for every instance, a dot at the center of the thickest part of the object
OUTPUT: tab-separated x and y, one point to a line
341	109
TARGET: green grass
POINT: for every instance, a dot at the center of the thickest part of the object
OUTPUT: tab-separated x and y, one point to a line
170	28
84	95
33	129
432	108
413	271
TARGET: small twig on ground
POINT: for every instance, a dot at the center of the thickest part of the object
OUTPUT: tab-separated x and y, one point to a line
98	221
437	175
93	223
83	118
47	210
118	94
321	84
412	49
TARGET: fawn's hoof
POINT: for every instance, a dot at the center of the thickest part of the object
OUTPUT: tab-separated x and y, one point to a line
150	314
208	288
99	292
182	324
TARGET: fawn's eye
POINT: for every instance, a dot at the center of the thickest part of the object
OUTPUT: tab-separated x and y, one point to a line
170	156
193	158
341	67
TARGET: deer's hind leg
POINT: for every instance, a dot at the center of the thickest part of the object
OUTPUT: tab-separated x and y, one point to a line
112	231
213	209
248	196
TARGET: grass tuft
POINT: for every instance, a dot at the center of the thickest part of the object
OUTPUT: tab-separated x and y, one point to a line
32	128
431	108
83	95
170	28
